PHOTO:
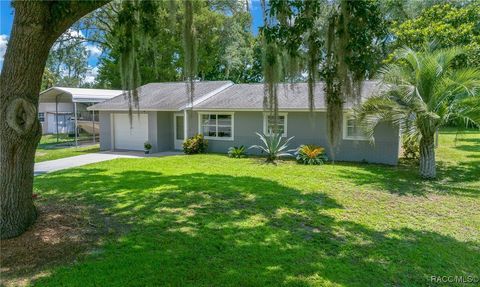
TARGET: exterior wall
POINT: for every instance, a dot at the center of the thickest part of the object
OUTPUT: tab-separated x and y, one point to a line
384	149
153	131
246	124
305	127
105	132
160	130
50	108
310	129
164	131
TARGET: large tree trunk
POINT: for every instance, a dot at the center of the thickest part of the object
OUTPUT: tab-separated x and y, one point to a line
33	33
427	157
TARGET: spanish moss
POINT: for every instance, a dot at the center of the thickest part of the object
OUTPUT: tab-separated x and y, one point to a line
129	68
190	50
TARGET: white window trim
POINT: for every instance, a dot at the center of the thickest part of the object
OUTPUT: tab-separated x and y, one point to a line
217	138
265	123
346	117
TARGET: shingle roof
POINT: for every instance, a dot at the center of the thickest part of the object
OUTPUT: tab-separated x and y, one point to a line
164	96
224	95
293	97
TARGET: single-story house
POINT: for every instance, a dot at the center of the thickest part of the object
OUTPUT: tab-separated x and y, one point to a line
230	114
59	105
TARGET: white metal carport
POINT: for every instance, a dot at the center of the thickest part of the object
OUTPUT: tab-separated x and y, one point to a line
58	95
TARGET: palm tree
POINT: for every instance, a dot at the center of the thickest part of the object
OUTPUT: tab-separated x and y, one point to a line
421	92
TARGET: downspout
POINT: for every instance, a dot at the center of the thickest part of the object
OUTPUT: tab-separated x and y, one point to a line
56	114
93	125
185	125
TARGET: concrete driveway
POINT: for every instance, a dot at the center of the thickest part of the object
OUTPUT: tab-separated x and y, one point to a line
79	160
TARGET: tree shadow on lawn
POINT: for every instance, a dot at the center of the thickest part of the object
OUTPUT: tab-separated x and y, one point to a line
217	230
404	179
468	148
469	140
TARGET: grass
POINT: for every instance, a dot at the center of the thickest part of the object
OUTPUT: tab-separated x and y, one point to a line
49	149
208	220
51	139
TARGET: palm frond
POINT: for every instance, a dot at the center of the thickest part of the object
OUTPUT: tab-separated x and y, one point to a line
423	91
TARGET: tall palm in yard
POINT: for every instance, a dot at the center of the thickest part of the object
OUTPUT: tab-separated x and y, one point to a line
420	93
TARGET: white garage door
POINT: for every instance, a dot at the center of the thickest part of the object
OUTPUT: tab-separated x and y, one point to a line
131	137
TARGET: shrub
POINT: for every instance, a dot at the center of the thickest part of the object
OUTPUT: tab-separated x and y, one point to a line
237	152
195	144
410	148
311	154
147	146
273	147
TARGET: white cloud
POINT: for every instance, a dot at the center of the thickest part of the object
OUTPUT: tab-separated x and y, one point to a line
74	33
91	75
3	47
93	50
69	37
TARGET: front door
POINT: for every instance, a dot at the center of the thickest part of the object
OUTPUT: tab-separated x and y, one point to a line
178	127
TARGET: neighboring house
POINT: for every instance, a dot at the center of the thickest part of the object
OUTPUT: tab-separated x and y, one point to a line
230	114
57	106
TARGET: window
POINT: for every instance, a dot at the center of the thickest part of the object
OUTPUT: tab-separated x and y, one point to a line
269	124
352	130
41	117
216	126
179	128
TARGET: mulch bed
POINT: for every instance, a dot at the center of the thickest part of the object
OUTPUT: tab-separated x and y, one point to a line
61	234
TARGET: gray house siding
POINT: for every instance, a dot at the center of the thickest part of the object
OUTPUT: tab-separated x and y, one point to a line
245	126
160	127
105	132
153	131
312	129
164	131
307	128
384	149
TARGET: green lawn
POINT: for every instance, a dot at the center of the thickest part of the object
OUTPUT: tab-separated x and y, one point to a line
209	220
49	149
52	139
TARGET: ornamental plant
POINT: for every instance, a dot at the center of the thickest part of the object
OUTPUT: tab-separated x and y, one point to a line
237	152
273	146
195	144
147	146
311	154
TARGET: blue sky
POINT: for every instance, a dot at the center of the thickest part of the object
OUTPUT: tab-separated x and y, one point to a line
6	20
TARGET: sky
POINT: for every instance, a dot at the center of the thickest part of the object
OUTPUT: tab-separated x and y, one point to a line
6	20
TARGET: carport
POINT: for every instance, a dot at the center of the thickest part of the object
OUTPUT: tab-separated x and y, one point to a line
71	103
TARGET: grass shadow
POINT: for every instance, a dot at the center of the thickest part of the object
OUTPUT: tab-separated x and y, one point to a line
210	229
404	179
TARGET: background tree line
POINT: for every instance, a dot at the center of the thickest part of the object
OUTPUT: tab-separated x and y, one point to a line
227	48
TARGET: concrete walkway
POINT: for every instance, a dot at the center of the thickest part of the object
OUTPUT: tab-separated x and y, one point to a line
79	160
